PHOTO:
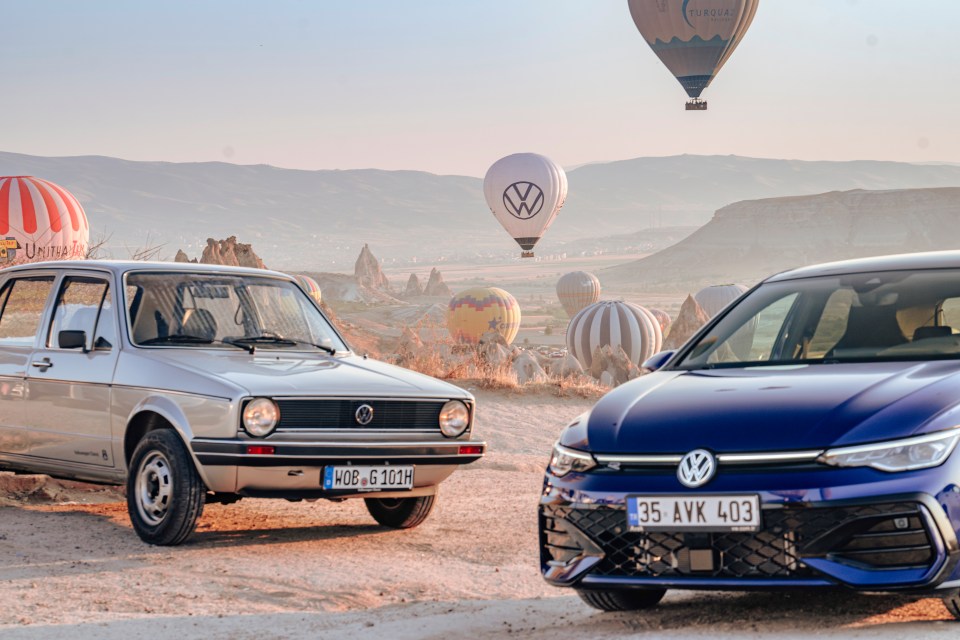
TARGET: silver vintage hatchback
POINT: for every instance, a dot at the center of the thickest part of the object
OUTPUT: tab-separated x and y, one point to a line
198	383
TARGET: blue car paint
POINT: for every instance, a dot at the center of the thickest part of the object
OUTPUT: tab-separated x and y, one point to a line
785	408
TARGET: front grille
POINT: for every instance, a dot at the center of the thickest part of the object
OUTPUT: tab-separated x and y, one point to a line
872	537
420	415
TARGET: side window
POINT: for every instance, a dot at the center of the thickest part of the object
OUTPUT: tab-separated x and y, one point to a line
23	309
832	324
78	308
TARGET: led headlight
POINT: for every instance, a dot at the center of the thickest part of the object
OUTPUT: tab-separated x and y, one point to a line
907	454
260	416
454	419
565	460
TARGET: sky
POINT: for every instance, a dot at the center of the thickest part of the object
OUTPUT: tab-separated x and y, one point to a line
449	86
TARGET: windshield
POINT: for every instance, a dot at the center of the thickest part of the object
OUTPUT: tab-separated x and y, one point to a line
229	311
896	315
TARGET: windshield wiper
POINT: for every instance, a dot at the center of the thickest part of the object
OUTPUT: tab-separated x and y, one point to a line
275	339
182	338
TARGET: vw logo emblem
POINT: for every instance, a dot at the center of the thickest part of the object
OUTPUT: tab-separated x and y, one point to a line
523	200
697	468
364	415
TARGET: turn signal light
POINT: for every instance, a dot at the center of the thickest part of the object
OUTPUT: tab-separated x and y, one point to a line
471	450
261	450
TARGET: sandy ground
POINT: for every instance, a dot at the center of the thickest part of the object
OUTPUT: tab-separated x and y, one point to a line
273	569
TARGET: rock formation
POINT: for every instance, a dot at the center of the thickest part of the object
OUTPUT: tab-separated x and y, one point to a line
436	286
528	369
750	240
367	271
227	252
688	322
567	367
414	289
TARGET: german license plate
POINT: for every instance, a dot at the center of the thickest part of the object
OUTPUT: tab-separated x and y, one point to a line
693	513
368	478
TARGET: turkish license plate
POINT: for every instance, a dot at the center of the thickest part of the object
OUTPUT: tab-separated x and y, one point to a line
376	478
693	513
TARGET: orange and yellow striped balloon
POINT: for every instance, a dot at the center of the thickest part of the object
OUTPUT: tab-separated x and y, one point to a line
309	285
475	311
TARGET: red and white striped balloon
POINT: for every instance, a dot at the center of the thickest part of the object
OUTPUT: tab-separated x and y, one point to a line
40	220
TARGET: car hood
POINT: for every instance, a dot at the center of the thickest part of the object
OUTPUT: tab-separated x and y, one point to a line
270	373
774	408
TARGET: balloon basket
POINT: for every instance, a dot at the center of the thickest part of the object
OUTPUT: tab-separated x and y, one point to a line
526	254
696	105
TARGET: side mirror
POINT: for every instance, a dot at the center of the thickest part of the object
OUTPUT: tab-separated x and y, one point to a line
658	360
72	340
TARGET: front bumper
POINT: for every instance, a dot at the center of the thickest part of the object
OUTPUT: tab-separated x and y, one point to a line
295	467
896	541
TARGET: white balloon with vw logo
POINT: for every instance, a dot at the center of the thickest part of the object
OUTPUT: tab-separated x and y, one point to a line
525	192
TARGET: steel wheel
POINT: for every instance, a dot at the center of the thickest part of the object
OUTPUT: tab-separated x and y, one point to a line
154	488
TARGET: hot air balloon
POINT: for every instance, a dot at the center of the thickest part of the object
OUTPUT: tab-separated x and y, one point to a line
663	318
693	38
525	192
309	285
40	221
713	299
614	323
476	311
576	290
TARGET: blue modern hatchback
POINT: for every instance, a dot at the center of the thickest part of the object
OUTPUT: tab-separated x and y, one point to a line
803	438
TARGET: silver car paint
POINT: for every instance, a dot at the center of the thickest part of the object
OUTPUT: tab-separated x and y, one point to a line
70	419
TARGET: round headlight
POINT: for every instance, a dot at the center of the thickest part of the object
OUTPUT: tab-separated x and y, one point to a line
260	416
454	419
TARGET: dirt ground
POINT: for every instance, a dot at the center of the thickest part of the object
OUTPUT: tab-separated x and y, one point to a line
71	567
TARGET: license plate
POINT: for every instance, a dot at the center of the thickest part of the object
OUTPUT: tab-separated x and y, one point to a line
368	478
693	513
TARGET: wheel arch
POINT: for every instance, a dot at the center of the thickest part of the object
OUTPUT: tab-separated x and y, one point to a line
158	413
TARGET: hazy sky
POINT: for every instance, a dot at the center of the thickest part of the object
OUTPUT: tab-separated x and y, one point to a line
449	86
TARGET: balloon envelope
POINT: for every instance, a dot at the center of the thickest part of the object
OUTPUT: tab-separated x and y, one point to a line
309	285
693	38
576	290
40	220
617	324
476	311
713	299
525	192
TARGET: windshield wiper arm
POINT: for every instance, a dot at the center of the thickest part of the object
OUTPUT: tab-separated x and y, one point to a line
272	339
182	338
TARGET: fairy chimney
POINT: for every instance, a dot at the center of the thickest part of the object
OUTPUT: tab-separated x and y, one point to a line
436	286
688	322
368	272
414	288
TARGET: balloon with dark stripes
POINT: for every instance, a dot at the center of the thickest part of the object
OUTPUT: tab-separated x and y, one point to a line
614	323
576	290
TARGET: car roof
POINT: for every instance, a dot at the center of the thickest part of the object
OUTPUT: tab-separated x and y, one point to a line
899	262
123	266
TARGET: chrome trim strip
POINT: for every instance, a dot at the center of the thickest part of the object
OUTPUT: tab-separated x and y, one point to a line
319	430
723	458
340	443
375	398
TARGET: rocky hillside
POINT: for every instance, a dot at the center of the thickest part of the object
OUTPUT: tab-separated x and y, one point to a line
749	240
319	220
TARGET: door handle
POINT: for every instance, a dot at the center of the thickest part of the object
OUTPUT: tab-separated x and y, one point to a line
42	364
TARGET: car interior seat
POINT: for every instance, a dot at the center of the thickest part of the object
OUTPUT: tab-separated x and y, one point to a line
871	328
200	323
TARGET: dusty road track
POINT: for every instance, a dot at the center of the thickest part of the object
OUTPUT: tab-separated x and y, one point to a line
272	569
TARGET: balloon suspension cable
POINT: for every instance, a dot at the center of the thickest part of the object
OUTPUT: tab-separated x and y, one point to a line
526	254
696	105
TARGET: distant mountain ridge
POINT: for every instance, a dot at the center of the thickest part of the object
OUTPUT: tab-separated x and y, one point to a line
750	240
319	220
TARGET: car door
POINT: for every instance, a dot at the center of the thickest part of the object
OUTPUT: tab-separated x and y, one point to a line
23	299
69	387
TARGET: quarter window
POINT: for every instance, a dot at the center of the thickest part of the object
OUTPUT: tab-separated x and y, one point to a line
23	310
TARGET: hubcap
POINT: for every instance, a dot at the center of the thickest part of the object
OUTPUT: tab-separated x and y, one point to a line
154	488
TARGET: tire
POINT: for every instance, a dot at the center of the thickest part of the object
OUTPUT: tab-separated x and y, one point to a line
623	599
951	600
165	495
400	513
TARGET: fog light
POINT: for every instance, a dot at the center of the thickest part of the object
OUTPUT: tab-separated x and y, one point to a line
260	450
